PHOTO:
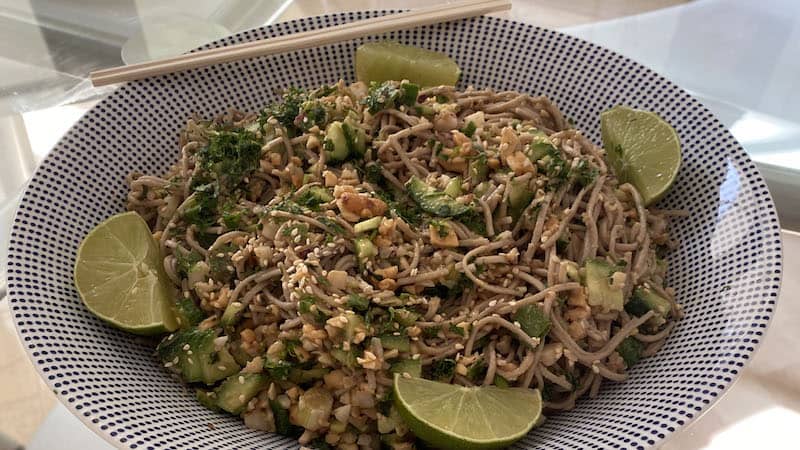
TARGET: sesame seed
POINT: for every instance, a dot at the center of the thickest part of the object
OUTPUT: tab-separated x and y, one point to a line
188	352
168	365
190	360
516	324
493	302
242	398
186	347
458	346
175	361
241	379
223	368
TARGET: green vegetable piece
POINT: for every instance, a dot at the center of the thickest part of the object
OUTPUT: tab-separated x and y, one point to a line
425	111
283	425
187	313
278	369
519	197
477	371
346	357
205	363
434	201
601	291
207	399
469	129
478	171
302	376
314	196
234	393
443	370
400	343
354	324
357	303
368	225
645	299
532	320
356	138
501	382
335	142
453	188
365	249
232	315
630	349
405	317
409	93
412	367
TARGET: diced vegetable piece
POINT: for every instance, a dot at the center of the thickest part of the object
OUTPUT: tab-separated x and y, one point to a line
283	425
314	196
602	292
401	343
335	142
368	225
540	146
519	197
434	201
405	317
412	367
365	249
453	188
187	313
532	320
346	357
357	303
234	393
313	409
645	299
207	399
630	349
478	170
301	376
194	354
278	369
356	138
232	315
355	323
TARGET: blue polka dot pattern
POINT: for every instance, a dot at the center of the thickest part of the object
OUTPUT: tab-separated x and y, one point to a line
727	271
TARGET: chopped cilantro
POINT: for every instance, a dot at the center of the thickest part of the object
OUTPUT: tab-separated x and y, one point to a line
457	330
630	349
469	129
532	320
286	112
431	332
357	303
278	370
387	95
443	370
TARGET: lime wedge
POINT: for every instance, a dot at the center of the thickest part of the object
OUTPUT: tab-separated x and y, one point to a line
452	416
120	277
381	61
643	149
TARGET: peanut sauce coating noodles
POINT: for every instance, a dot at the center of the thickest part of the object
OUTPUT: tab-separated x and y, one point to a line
350	232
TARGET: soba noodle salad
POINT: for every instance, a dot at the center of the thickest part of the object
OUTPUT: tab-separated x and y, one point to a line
352	233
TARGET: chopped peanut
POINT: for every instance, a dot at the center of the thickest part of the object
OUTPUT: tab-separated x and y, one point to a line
449	240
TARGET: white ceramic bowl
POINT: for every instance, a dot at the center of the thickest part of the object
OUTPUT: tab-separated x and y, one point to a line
727	271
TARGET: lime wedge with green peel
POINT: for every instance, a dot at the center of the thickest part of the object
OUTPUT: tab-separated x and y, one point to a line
120	277
451	416
382	61
643	149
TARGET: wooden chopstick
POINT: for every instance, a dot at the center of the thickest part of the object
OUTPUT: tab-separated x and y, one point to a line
298	41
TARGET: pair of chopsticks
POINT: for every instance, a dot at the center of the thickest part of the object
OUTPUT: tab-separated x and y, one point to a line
299	41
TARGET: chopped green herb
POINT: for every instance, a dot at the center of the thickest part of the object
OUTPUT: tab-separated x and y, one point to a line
387	95
469	129
278	370
630	349
431	332
457	330
532	320
357	303
443	370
